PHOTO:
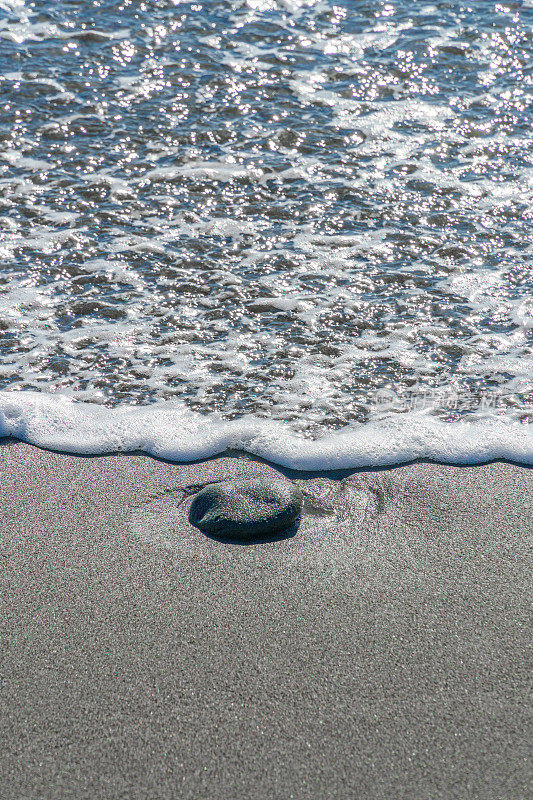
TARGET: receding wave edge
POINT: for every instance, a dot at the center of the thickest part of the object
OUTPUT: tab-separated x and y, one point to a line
174	432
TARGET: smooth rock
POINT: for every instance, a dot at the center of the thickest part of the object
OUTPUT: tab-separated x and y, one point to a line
245	509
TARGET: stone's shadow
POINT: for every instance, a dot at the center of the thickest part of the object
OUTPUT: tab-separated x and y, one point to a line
278	536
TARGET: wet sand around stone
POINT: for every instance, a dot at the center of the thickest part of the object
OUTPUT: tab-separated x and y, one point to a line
379	650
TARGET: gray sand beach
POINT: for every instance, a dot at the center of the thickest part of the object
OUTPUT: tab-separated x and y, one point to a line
377	651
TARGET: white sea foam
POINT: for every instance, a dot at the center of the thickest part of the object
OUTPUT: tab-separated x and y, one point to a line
280	208
172	431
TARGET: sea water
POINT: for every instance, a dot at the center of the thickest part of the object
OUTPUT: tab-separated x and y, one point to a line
296	227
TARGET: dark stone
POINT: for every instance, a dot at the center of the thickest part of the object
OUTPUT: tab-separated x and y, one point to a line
246	509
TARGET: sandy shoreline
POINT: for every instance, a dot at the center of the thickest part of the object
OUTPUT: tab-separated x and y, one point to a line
378	652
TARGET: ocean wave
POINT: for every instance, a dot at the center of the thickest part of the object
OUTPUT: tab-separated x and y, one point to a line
171	431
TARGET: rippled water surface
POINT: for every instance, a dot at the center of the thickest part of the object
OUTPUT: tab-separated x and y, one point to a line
316	212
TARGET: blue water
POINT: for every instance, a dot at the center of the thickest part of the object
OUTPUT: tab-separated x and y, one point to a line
316	214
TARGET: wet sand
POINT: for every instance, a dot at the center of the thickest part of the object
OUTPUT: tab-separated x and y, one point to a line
377	652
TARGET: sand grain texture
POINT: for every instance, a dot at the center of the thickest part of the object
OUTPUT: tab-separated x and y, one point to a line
379	652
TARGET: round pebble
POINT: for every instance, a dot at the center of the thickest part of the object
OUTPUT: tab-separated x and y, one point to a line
246	509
